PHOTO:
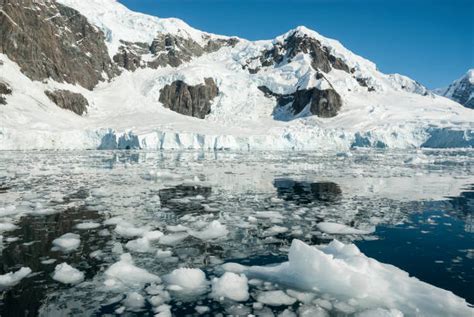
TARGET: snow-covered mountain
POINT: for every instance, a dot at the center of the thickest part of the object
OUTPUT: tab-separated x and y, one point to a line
461	90
78	74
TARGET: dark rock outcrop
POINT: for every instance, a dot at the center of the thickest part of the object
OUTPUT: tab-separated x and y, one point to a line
189	100
68	100
129	55
461	90
4	90
323	103
49	40
166	50
296	43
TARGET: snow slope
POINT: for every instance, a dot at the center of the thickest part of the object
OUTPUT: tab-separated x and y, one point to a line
126	112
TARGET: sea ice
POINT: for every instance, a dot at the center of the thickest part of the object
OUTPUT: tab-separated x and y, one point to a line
213	231
66	274
186	280
343	272
125	273
12	278
231	286
67	242
87	225
275	298
337	228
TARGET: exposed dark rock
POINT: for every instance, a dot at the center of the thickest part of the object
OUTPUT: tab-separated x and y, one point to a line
364	82
189	100
4	90
173	50
323	103
217	44
461	92
322	59
167	50
129	55
68	100
49	40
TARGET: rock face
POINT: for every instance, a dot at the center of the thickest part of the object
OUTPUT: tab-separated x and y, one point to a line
165	50
461	90
323	103
189	100
49	40
284	52
68	100
4	90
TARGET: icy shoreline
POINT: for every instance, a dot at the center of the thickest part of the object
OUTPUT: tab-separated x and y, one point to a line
284	140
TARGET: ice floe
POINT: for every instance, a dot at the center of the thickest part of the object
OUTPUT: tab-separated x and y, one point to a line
231	286
66	274
67	242
12	278
343	272
337	228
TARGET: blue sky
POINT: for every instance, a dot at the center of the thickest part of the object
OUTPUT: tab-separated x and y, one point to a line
431	41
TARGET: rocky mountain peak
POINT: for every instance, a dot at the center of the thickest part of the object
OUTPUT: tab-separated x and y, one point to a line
461	90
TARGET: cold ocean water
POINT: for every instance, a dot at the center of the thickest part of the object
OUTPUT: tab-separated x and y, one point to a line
130	221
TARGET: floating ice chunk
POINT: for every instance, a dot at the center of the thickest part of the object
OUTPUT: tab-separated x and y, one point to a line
342	271
275	230
163	311
127	230
8	211
269	215
126	273
134	300
7	226
66	274
174	238
234	267
337	228
67	242
141	245
213	231
113	221
202	309
275	298
186	280
178	228
380	312
12	278
312	311
100	192
153	235
87	225
161	254
231	286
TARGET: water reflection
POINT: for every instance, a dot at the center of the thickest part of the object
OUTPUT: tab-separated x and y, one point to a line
184	198
35	235
306	192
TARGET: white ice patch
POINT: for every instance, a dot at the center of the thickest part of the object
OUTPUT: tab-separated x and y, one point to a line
67	242
213	231
13	278
125	273
343	272
275	298
87	225
231	286
186	280
66	274
337	228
